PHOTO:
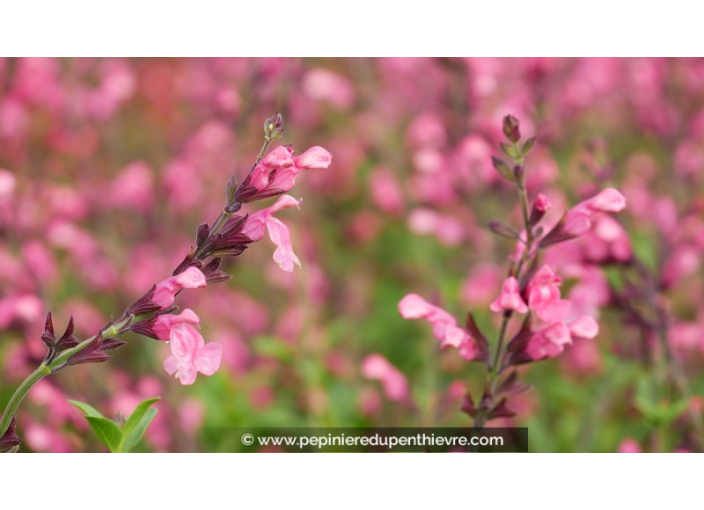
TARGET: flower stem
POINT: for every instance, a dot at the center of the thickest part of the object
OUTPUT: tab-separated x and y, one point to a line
19	394
44	370
496	365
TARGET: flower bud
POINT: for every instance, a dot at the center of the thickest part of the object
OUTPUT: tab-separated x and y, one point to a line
511	128
274	127
9	440
540	207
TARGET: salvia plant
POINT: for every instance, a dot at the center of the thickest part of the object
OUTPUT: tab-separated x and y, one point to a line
154	316
535	321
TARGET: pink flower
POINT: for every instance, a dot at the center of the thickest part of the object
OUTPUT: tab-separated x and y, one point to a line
548	342
578	220
444	325
377	367
315	158
191	278
190	355
544	296
278	232
607	240
281	157
279	169
609	200
280	161
510	298
165	323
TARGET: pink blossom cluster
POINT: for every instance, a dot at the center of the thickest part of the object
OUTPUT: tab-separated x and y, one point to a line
273	175
558	323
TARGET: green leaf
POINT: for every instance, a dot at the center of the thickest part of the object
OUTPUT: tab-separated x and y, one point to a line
530	143
130	440
107	431
136	425
86	409
502	167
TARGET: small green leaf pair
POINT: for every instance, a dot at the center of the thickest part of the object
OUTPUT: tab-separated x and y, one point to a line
658	411
119	439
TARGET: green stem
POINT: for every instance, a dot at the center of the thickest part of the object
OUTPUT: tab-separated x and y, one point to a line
44	370
499	345
523	195
19	394
262	152
498	358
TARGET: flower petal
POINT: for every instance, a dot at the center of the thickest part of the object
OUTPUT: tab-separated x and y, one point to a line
208	358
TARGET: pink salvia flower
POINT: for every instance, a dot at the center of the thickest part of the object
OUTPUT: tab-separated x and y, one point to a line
548	342
555	311
164	323
286	168
257	222
283	255
190	354
578	220
378	368
278	232
510	298
444	325
191	278
279	160
609	200
544	296
281	157
315	158
607	239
